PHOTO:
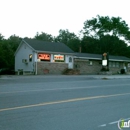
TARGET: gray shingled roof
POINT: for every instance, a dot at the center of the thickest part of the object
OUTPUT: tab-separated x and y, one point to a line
61	47
99	57
48	46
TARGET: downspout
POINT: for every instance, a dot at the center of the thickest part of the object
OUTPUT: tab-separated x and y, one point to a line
36	63
36	68
80	49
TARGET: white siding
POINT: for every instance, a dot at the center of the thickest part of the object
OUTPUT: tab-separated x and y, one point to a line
51	58
23	53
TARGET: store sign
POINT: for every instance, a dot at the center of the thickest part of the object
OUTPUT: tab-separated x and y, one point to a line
44	56
59	57
104	62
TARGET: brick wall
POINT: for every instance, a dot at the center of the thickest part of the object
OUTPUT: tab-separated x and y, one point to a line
95	68
50	68
116	70
86	68
83	66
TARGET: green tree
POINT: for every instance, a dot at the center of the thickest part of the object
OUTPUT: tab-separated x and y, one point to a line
1	37
100	26
105	34
44	36
65	36
68	38
2	59
14	42
113	45
90	45
7	50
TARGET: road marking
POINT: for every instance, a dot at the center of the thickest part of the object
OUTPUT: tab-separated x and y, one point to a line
112	123
70	88
64	101
102	125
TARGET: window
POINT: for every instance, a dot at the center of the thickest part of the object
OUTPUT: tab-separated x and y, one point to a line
59	58
117	64
44	57
30	58
128	64
70	59
114	64
110	64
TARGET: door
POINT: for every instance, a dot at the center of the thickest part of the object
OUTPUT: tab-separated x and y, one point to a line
70	63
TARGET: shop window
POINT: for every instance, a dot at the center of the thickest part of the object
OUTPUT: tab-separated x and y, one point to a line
44	57
59	58
30	58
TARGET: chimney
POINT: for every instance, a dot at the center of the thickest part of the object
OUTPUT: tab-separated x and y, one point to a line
80	49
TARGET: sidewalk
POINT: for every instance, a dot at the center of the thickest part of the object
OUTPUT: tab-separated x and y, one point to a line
123	76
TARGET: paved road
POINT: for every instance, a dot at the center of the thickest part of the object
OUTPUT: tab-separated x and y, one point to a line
63	103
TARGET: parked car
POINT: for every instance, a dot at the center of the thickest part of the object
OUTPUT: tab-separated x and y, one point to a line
6	71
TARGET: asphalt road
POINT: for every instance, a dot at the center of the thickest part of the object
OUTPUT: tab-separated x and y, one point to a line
63	103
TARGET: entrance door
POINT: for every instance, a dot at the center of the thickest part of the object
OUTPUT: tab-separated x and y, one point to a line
70	63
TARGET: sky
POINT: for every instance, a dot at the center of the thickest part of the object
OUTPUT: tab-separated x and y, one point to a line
25	18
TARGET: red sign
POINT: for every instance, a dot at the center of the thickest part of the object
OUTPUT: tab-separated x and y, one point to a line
44	56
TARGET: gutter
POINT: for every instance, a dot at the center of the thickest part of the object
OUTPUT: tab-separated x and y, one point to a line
54	52
89	58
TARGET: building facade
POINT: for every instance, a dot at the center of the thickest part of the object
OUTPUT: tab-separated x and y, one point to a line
92	63
39	57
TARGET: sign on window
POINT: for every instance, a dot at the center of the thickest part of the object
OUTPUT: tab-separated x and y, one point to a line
44	57
59	57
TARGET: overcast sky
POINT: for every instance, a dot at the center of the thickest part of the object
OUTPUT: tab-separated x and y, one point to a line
26	17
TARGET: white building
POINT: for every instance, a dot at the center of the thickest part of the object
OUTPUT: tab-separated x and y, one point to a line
39	57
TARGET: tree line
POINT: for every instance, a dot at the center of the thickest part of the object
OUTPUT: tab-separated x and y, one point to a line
100	34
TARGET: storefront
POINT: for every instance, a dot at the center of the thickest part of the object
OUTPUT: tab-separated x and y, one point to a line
88	63
39	57
53	63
